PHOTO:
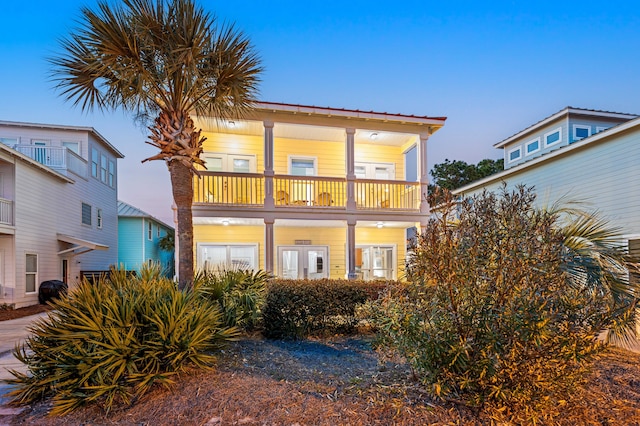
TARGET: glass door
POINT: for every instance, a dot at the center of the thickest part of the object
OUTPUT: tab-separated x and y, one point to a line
375	262
303	262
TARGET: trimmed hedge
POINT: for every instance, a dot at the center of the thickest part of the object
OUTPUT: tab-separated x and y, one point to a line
295	309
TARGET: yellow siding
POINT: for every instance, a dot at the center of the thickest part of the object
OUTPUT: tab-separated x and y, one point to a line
230	235
335	238
330	155
236	144
368	153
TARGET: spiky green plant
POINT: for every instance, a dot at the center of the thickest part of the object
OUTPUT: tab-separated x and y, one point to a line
110	342
241	293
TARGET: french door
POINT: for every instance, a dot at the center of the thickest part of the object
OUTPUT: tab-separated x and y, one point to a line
303	262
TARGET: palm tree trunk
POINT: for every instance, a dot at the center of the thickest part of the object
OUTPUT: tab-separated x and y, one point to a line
182	186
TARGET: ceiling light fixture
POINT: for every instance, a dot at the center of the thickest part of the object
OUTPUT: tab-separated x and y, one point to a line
373	136
225	222
379	224
231	124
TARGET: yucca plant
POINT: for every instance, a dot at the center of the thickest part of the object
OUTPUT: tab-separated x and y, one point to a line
110	342
241	293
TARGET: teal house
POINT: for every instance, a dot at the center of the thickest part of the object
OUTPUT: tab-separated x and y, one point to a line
139	236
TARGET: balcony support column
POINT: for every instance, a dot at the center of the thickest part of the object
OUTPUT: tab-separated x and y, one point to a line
351	248
268	166
268	244
351	169
423	172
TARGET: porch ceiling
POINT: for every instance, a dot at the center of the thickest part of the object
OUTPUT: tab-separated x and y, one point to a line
231	221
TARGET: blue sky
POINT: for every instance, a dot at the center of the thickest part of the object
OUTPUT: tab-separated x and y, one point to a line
492	68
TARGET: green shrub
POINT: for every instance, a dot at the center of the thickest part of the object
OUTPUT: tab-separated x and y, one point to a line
110	342
504	303
239	292
298	308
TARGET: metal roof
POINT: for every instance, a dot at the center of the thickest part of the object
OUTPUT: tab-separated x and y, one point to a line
127	210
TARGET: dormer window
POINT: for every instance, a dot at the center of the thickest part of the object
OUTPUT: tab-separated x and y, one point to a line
515	154
553	137
581	131
532	146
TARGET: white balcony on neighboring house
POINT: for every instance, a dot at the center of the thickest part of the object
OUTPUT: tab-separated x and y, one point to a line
6	212
59	158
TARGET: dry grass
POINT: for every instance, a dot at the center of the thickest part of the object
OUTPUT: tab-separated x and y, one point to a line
336	382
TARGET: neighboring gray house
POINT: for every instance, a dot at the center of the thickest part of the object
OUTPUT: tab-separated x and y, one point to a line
578	154
139	234
58	207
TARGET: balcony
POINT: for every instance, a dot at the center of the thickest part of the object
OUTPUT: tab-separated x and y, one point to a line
6	212
58	158
305	192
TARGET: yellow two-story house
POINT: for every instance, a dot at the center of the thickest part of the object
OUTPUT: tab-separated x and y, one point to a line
310	192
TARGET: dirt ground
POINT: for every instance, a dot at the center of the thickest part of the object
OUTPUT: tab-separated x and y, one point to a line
9	314
335	382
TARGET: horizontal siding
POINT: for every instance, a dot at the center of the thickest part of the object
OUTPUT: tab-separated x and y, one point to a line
130	242
603	176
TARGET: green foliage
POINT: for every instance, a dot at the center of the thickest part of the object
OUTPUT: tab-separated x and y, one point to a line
108	343
298	308
168	242
455	174
240	293
500	310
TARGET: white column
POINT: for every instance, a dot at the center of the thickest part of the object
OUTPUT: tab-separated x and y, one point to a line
268	244
268	165
423	172
351	248
351	168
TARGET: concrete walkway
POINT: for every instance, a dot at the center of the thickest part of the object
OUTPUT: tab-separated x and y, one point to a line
12	332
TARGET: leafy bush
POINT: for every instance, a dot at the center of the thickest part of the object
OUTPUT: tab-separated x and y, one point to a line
504	303
299	308
110	342
239	292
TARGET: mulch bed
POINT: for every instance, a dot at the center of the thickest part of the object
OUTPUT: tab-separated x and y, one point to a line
9	314
335	382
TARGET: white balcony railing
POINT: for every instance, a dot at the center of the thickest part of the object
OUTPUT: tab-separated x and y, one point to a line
59	158
6	212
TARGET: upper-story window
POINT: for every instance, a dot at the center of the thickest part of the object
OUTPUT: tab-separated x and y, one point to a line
86	214
581	131
553	137
302	166
103	168
236	163
149	231
601	129
158	231
383	171
532	146
10	141
112	173
515	154
95	158
99	218
72	146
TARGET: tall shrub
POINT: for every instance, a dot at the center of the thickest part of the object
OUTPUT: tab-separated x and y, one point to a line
109	342
503	307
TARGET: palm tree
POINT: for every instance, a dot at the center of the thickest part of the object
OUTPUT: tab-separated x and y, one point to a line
161	60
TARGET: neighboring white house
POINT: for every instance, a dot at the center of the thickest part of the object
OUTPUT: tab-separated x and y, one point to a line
581	155
58	206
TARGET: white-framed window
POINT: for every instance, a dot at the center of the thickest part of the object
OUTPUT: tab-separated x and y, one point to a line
103	168
72	146
532	146
10	141
303	166
95	158
86	214
514	154
376	261
601	129
553	137
149	231
158	231
31	272
99	218
214	255
112	174
581	131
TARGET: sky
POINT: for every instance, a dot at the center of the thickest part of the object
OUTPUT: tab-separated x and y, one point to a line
493	68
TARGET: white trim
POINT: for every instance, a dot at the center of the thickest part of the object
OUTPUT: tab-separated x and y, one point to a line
99	218
546	136
79	244
512	160
601	129
303	260
292	157
394	258
581	126
526	146
35	274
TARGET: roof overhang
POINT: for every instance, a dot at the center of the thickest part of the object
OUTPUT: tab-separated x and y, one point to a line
79	244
